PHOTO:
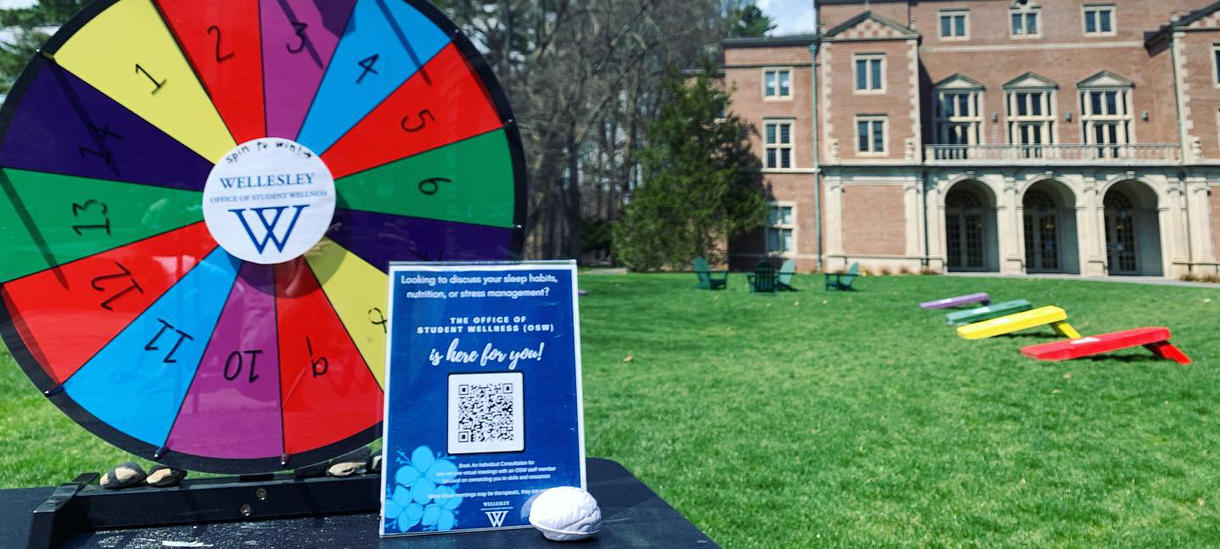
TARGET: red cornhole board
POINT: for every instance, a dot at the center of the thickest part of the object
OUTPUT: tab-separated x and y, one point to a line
1155	339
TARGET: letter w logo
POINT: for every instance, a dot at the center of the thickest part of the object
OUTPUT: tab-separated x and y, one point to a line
269	225
496	518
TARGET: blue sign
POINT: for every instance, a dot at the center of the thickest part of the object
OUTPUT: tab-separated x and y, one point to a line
483	398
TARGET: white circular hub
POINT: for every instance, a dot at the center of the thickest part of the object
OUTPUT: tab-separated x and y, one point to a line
269	200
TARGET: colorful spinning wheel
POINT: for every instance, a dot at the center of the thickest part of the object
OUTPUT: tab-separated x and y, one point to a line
200	200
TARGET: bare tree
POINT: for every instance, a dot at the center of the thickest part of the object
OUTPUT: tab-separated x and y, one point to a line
584	78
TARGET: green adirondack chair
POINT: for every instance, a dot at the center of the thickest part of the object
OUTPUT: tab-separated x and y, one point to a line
843	281
709	279
763	279
784	277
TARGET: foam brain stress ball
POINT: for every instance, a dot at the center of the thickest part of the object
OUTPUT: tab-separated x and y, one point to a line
566	513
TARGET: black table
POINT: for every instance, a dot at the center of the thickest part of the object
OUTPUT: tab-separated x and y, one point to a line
632	516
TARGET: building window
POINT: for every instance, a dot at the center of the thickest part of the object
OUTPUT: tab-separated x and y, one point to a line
1216	62
781	229
1041	232
958	117
1105	119
779	145
870	73
870	134
1025	21
1031	120
777	83
965	230
1099	20
953	24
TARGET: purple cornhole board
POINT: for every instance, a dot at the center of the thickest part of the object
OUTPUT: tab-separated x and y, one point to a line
958	301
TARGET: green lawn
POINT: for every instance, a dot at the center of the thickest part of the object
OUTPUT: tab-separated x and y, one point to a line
849	419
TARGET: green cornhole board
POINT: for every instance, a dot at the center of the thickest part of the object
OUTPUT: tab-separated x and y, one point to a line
961	318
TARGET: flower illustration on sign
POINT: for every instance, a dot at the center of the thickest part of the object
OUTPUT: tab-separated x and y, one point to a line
424	493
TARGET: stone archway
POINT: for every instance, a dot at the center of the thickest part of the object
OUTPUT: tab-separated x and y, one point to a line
1132	230
1049	224
970	228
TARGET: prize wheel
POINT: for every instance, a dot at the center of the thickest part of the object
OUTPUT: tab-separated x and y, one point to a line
200	203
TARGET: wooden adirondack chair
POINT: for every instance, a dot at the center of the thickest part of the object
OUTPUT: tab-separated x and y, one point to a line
843	281
784	277
709	279
763	279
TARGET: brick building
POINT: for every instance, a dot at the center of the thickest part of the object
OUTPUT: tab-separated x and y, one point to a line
1012	136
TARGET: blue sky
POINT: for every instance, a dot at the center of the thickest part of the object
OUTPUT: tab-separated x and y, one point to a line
792	16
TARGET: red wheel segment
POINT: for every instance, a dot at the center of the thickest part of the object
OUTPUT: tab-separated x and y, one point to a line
66	314
441	104
221	41
328	392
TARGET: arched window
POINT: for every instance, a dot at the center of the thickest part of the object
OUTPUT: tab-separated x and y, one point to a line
964	229
1041	232
963	200
1120	233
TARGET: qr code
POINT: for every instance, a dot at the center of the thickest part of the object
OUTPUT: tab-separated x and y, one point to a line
486	413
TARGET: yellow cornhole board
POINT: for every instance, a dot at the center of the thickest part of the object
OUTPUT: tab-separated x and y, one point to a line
1042	316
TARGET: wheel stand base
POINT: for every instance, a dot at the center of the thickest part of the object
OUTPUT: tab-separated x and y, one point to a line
82	506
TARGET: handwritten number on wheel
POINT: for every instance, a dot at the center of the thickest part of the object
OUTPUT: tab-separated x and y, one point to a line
132	286
105	155
431	185
237	361
367	64
102	151
377	318
219	58
425	116
142	70
92	207
318	365
154	345
103	133
300	30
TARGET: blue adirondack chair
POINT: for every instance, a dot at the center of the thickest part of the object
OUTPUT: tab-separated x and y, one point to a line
763	279
783	278
709	279
843	281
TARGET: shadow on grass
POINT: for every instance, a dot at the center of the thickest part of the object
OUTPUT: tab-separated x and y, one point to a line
1030	335
1131	359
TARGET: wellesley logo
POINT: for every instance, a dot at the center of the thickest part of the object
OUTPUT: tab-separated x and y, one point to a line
269	225
269	201
496	518
280	180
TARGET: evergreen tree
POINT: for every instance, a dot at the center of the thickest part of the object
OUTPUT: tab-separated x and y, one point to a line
31	27
744	18
702	181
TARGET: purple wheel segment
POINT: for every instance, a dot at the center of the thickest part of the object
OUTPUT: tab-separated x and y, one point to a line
232	410
63	125
299	38
380	238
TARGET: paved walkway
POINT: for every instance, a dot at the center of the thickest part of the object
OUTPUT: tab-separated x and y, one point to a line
1152	280
604	271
